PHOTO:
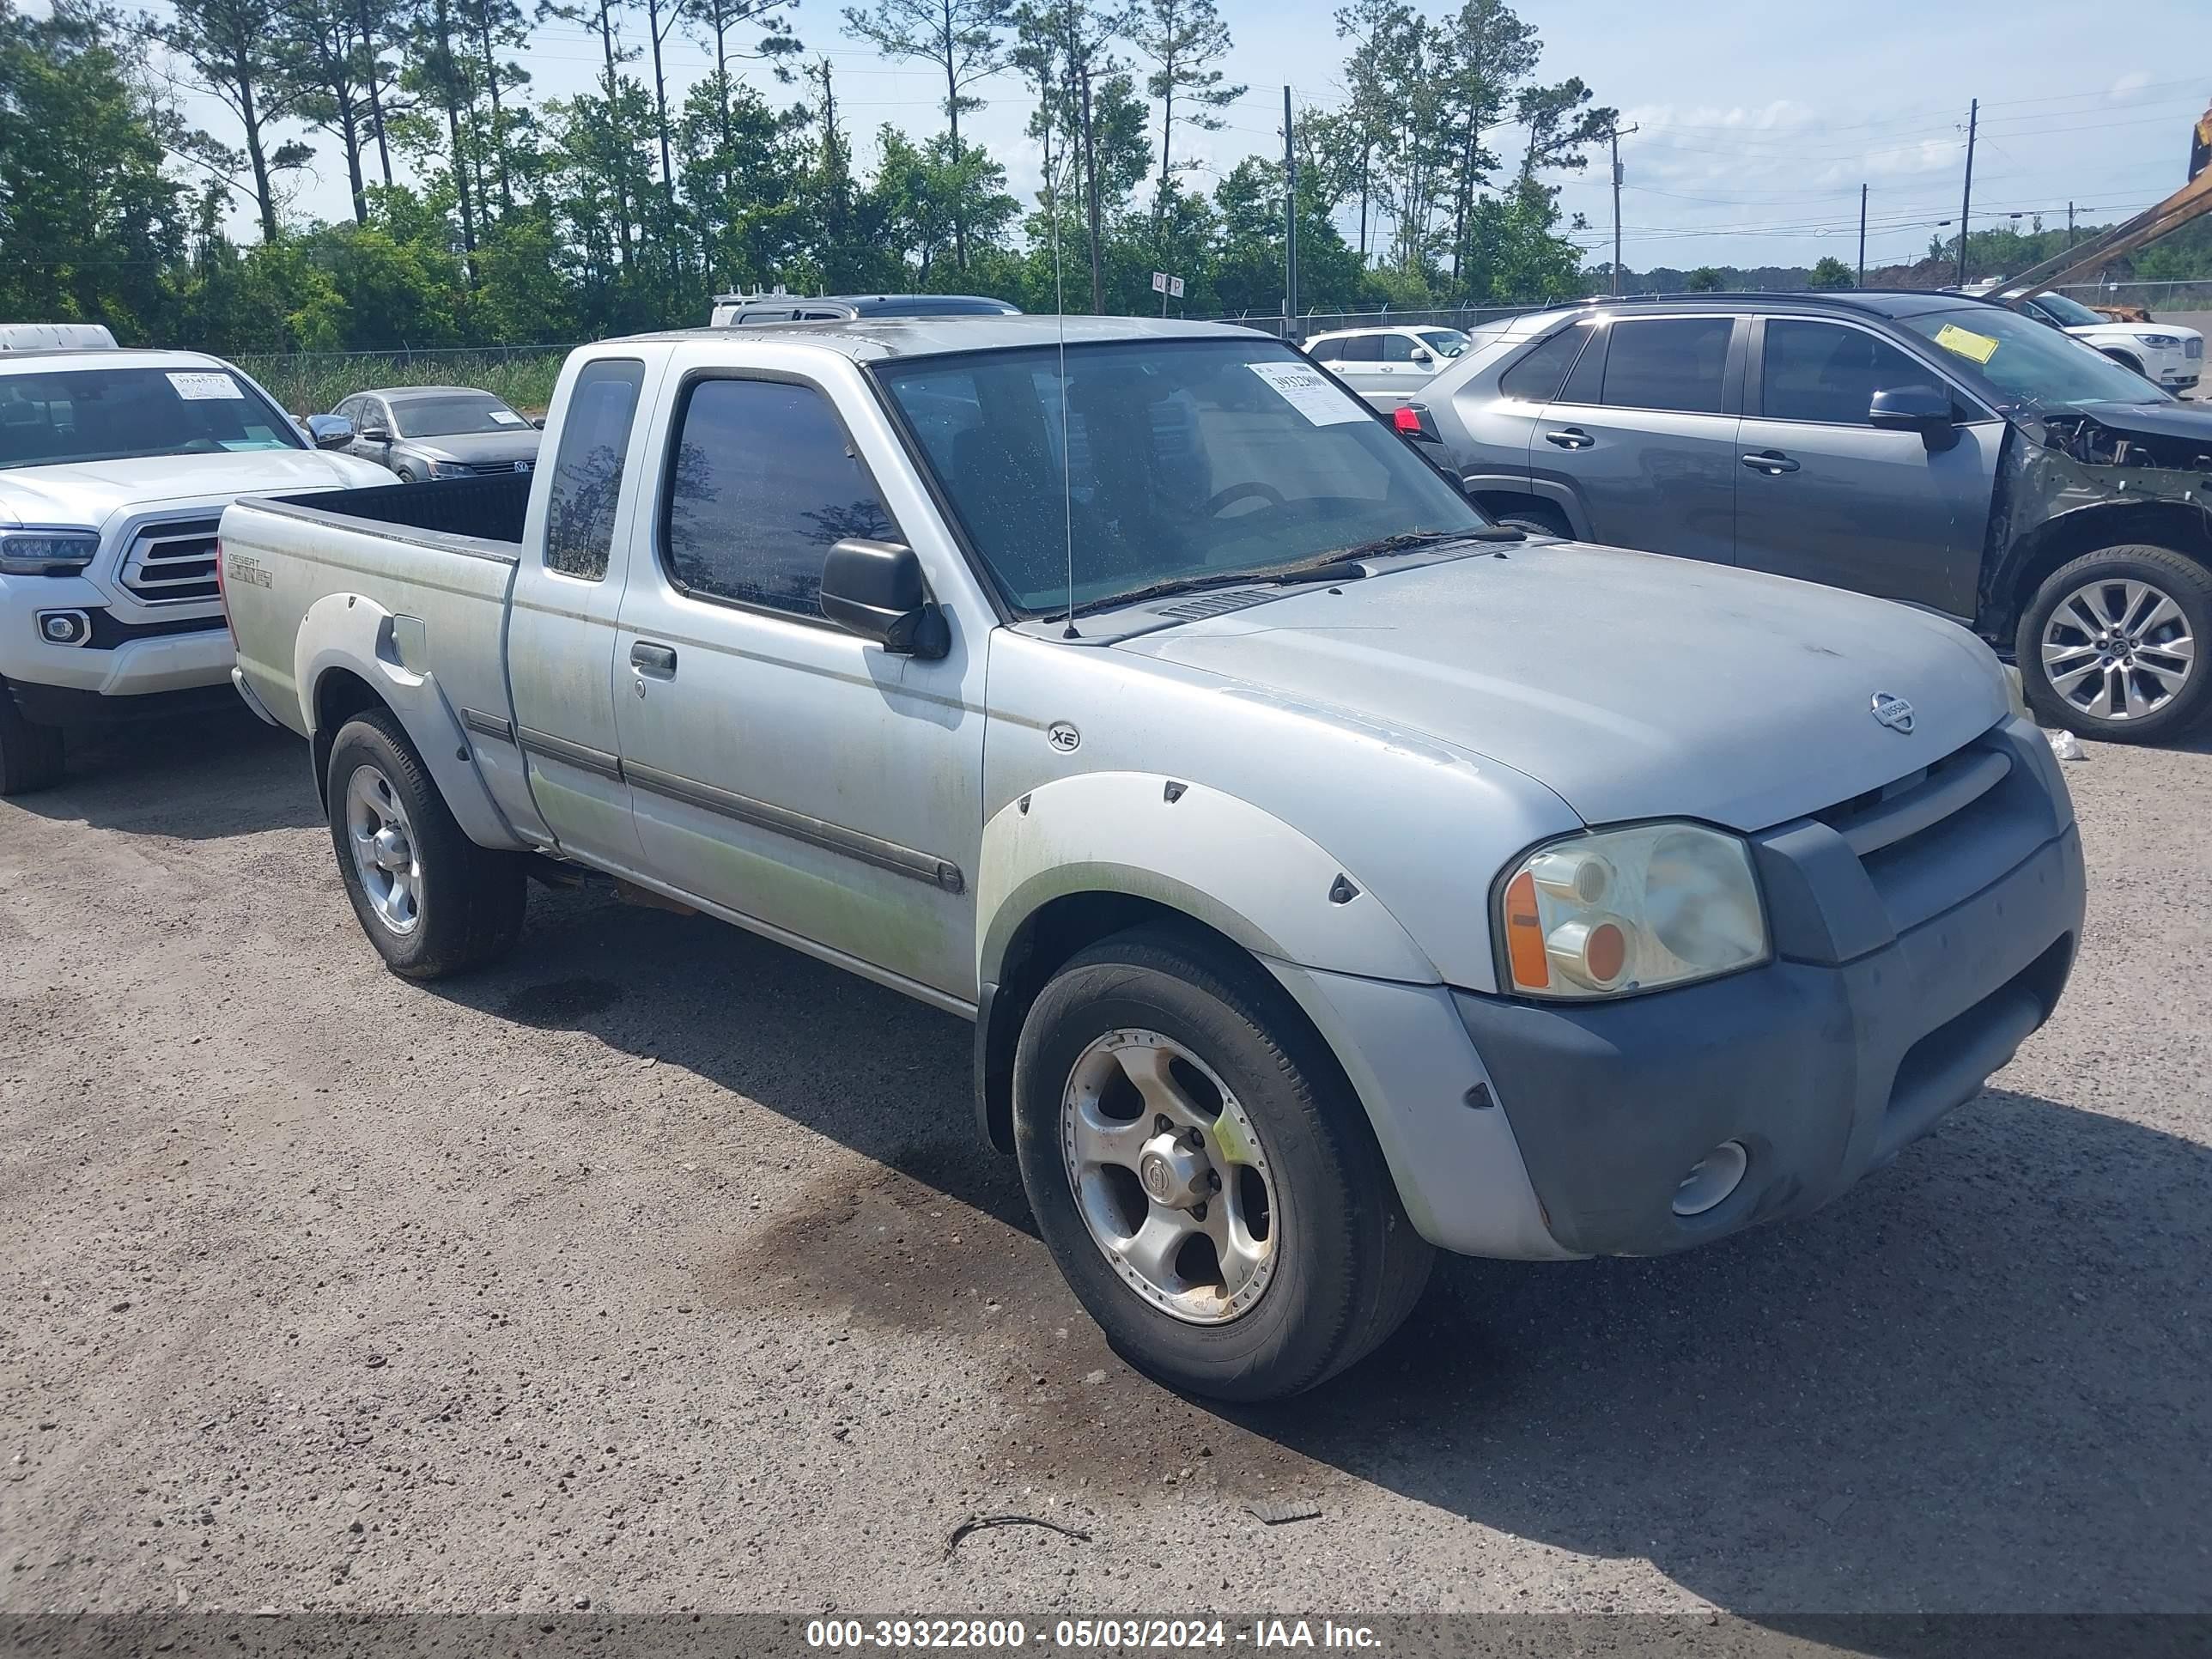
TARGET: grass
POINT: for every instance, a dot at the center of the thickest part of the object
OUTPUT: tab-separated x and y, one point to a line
312	383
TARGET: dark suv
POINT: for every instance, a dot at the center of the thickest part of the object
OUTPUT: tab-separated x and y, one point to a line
1927	447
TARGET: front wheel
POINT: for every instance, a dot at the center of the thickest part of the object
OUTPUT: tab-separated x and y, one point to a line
1202	1174
432	901
2111	645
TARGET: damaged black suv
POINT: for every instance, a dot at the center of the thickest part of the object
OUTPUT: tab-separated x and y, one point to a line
1928	447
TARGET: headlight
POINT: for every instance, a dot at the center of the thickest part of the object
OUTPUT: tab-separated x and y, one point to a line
2164	342
47	552
448	469
1622	911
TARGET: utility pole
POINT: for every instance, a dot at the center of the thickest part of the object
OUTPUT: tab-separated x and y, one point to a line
2069	225
1862	282
1966	199
1290	226
1615	136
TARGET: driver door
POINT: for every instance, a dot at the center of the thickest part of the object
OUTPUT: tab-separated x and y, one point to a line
1825	496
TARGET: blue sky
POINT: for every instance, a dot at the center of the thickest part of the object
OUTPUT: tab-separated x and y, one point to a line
1758	121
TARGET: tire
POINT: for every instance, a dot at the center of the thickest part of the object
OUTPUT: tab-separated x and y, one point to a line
1343	1266
30	754
1539	518
2054	643
406	475
467	902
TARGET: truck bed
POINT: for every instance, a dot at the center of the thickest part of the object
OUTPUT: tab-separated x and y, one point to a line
489	509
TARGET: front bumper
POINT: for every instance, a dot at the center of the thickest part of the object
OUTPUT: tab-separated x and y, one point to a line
1855	1041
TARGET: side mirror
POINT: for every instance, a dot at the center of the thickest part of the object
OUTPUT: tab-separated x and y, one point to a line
1922	409
329	431
1422	354
374	435
875	589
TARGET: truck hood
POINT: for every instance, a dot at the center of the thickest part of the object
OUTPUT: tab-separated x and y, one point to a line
91	493
1633	685
476	448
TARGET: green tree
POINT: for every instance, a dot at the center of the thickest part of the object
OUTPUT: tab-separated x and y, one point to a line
1183	39
1829	272
92	225
242	52
1493	51
1705	279
966	39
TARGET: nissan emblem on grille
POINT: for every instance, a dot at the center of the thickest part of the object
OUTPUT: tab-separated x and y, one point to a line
1894	713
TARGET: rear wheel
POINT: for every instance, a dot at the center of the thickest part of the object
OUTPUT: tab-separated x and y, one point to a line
2112	645
1203	1175
30	754
432	901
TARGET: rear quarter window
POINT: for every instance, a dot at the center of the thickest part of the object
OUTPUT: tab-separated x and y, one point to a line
587	472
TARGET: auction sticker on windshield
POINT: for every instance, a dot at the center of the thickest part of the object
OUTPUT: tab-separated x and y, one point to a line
1965	343
1304	390
206	388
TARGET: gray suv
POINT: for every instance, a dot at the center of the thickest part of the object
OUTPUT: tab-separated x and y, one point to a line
1927	447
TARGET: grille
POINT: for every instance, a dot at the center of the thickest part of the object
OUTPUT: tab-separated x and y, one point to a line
173	563
489	469
1936	836
1213	604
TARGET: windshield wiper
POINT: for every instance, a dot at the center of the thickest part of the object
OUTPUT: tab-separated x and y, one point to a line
1345	564
1412	538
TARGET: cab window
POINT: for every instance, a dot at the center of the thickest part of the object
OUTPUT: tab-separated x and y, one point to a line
764	482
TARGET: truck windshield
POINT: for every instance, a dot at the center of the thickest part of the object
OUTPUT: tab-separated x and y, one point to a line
453	413
2020	364
61	418
1183	460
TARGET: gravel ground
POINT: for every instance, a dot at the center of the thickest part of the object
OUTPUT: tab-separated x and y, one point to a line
657	1268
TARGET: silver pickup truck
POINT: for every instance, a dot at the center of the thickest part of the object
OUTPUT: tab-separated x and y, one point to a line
1331	877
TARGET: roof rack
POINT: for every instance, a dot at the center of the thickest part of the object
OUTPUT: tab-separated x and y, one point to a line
1835	296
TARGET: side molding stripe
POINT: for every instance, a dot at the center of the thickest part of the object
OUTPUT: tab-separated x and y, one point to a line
816	832
596	761
489	725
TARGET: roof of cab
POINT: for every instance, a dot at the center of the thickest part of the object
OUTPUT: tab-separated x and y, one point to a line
67	357
866	339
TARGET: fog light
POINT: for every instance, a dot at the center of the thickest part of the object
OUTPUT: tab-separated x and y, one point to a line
64	627
1711	1178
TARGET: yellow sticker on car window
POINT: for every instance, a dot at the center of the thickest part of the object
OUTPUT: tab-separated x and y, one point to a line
1965	343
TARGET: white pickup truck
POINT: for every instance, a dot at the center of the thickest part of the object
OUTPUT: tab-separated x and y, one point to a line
1331	876
114	466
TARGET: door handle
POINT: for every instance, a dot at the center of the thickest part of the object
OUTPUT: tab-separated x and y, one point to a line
1771	462
655	661
1572	437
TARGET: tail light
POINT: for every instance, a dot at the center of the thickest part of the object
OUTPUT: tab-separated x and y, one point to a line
1412	420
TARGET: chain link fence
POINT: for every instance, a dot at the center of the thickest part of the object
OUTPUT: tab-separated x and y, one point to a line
1309	324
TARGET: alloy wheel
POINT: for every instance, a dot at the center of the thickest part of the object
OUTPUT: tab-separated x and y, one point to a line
2117	649
1169	1176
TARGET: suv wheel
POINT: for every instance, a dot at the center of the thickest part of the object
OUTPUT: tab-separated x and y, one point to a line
2125	359
1204	1177
2112	645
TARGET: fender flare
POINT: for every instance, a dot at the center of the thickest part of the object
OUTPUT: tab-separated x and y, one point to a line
351	632
1214	856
